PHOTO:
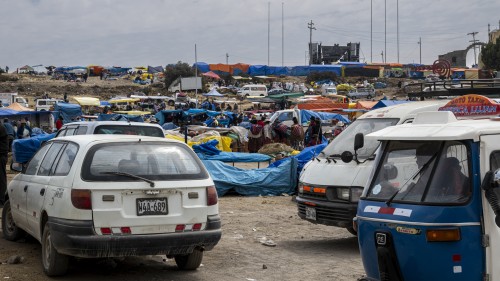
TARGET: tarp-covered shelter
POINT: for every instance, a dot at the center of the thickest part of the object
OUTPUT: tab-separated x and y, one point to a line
305	116
365	104
213	93
18	107
386	103
202	67
68	111
87	101
272	181
211	74
155	69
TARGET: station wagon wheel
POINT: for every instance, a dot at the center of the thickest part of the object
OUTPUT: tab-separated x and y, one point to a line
191	261
54	264
10	230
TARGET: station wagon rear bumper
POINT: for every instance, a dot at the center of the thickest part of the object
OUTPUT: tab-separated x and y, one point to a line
77	238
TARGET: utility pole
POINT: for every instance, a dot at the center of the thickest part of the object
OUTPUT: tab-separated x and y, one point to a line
282	34
196	73
397	23
311	27
227	58
371	30
382	55
420	44
385	29
474	42
268	29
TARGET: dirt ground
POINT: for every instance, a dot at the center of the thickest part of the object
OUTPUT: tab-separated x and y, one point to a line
302	251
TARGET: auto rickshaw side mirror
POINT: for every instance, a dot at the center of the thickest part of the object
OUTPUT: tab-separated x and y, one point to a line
18	167
490	185
359	141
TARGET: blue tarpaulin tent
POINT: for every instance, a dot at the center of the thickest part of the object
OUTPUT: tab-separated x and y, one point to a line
209	151
303	157
386	103
69	111
202	67
269	181
305	116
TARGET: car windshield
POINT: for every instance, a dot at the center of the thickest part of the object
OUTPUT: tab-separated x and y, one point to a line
345	141
130	130
422	172
150	160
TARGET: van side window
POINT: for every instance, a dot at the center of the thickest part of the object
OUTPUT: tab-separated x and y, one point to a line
70	131
495	161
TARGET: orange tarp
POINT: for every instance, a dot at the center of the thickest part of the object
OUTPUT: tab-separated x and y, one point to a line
229	68
365	104
16	106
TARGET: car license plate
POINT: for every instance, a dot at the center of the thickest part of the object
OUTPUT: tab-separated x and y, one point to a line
152	207
310	213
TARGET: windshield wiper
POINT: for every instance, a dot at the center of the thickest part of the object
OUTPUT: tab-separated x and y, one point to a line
418	172
151	183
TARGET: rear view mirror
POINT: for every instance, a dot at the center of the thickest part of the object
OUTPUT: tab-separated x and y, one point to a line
18	167
359	141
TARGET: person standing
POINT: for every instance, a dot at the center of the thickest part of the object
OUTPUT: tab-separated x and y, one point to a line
24	131
11	134
4	151
296	134
255	137
59	123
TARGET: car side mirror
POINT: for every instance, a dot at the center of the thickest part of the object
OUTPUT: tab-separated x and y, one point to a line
359	141
18	167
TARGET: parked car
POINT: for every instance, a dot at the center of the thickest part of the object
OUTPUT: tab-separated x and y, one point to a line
252	90
277	91
24	149
102	196
46	104
358	93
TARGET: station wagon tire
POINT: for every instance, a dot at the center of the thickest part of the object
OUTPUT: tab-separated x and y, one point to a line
352	231
54	264
189	262
9	228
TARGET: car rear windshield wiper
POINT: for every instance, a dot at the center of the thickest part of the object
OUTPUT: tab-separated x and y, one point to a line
151	183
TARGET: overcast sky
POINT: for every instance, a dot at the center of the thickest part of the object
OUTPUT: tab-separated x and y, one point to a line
159	32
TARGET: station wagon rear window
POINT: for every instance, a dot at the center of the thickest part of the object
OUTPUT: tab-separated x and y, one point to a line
129	130
150	160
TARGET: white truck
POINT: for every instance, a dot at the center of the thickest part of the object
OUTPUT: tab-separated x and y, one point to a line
185	84
329	189
10	98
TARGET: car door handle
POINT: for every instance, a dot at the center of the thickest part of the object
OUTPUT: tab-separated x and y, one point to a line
42	191
25	188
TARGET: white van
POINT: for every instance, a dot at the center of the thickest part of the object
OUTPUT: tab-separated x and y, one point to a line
46	104
329	188
252	90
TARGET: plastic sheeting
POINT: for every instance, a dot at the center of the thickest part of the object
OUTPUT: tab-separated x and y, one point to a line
24	149
68	111
305	116
303	157
237	157
266	182
202	67
119	117
386	103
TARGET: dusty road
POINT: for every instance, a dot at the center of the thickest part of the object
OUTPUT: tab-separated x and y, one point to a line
303	251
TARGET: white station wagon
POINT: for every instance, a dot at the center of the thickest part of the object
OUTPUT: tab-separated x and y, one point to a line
114	196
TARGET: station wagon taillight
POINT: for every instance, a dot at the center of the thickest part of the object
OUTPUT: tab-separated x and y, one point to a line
81	199
211	195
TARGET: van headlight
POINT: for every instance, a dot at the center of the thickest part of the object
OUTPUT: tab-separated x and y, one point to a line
349	194
301	187
343	193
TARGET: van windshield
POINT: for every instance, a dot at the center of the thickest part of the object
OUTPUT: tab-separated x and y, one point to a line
345	141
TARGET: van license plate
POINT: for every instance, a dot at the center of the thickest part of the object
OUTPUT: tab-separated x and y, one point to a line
310	213
152	207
